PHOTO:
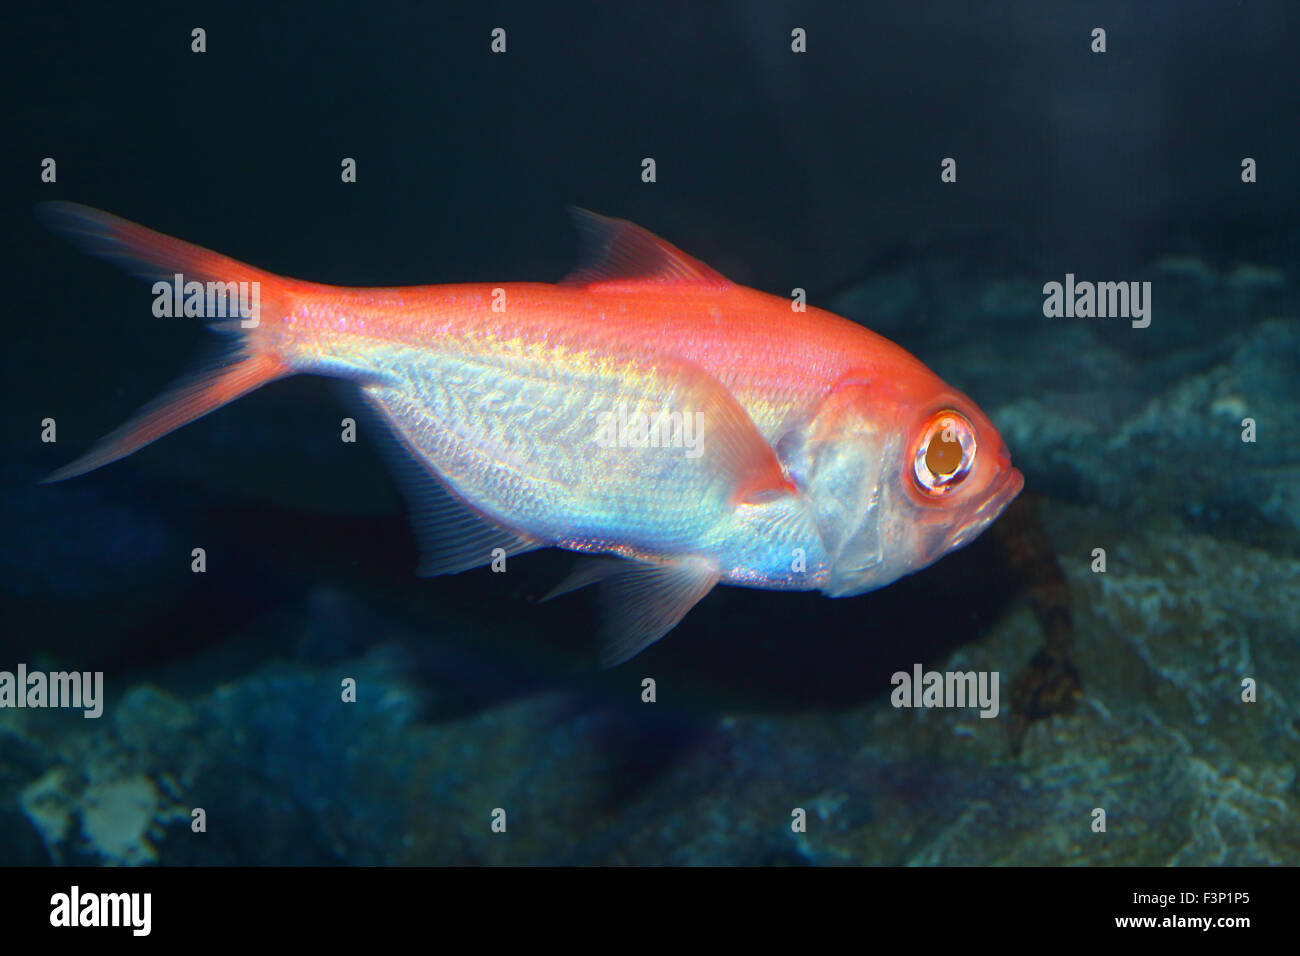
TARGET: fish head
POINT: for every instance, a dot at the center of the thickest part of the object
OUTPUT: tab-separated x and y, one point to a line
899	469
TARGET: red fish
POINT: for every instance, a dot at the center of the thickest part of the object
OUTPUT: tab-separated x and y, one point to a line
645	408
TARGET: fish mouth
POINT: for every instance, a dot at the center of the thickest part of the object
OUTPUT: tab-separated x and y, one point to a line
1007	486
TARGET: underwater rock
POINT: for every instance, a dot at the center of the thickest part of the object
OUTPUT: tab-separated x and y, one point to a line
1186	772
1168	449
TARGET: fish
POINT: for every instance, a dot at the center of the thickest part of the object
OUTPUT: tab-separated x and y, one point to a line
676	429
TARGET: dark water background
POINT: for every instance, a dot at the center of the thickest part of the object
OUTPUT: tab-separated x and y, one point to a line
818	170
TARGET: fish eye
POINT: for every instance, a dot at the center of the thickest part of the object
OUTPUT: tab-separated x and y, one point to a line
945	453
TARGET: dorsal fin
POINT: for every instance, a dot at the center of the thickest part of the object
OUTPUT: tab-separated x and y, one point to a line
617	251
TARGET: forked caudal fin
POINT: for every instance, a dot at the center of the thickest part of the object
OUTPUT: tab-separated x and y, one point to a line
238	370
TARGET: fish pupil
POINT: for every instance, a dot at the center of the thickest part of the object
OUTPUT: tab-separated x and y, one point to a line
943	457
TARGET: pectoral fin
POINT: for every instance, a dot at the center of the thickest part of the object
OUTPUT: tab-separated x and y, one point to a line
640	602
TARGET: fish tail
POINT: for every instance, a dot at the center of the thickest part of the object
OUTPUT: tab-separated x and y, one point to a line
249	362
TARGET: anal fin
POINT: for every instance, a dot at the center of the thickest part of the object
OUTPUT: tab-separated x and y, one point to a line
452	536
